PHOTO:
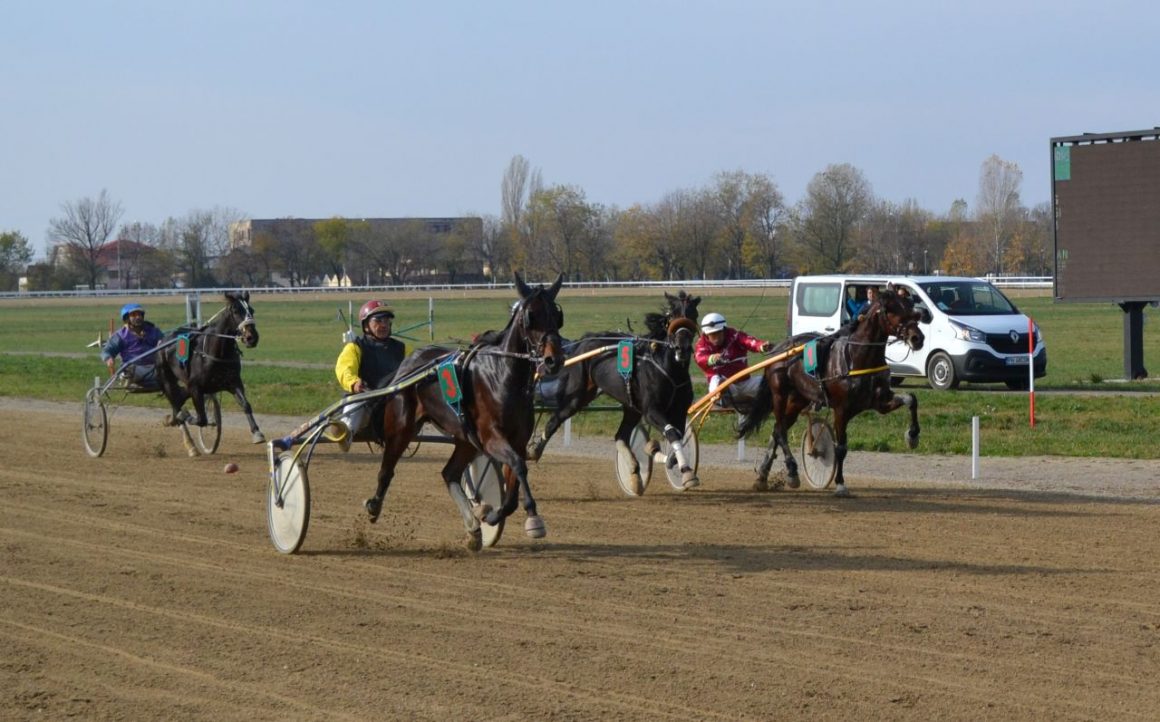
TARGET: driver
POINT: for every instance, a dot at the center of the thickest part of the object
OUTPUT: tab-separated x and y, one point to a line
722	352
135	338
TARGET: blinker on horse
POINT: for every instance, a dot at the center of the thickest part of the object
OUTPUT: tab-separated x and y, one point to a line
854	377
493	413
212	363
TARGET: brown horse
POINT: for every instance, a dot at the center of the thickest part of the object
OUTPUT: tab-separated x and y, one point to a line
852	377
494	413
212	362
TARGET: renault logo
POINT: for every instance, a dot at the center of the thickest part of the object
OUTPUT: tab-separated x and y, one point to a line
1014	337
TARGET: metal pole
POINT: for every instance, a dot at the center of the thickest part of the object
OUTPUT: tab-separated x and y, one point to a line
974	447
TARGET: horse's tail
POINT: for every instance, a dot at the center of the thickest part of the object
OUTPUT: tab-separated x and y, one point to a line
759	410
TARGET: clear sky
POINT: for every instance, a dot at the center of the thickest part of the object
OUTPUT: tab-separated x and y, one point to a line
300	108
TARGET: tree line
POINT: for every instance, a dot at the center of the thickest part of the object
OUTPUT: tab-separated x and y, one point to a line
736	226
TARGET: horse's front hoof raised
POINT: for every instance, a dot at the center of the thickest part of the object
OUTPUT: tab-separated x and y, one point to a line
482	511
534	527
652	447
534	452
474	540
258	437
374	507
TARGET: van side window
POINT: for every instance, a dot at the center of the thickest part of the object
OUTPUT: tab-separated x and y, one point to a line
818	299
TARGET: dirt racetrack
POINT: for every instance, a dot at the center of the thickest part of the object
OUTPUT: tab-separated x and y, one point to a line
142	585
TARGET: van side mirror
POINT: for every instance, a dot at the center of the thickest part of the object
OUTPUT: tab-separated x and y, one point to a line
926	316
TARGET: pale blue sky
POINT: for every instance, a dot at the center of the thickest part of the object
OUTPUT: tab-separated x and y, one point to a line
313	109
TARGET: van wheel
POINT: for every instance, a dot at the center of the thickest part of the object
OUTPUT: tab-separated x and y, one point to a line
896	381
940	372
1018	384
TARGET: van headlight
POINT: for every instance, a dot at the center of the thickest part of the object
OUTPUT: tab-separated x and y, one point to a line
1038	334
968	333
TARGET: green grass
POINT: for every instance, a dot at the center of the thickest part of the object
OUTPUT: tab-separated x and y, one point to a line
43	355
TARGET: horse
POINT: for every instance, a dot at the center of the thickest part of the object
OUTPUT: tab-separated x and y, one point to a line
852	378
209	363
658	388
493	384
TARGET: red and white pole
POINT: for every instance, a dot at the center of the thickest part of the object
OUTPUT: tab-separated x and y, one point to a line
1031	366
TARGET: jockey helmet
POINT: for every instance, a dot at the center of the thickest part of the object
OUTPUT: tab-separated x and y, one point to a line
374	308
712	323
129	308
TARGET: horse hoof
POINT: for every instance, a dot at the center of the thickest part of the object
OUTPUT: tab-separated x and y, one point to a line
652	447
912	441
482	511
761	485
793	482
474	540
193	452
636	484
841	491
534	527
689	480
258	437
534	453
374	507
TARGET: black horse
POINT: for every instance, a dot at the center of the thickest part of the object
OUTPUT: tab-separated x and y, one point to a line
852	377
481	398
210	362
656	386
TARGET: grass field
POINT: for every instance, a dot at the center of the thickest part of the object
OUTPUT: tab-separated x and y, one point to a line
43	355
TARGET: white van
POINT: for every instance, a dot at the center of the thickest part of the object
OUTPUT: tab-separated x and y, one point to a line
973	332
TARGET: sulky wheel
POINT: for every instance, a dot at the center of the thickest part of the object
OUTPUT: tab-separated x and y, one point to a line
207	438
96	423
288	504
819	463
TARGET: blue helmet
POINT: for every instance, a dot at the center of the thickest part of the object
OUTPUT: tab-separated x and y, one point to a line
129	308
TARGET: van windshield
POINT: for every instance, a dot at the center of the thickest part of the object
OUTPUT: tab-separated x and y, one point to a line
968	298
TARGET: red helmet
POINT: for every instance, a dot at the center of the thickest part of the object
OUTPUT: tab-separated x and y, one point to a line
374	308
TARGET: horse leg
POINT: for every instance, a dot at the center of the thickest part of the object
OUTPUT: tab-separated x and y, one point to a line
256	434
398	430
537	444
675	438
198	397
515	474
840	448
187	441
628	421
463	454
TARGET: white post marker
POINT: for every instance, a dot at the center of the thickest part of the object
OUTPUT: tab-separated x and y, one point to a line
741	449
568	432
974	447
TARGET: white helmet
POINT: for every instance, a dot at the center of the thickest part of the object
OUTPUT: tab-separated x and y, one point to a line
712	322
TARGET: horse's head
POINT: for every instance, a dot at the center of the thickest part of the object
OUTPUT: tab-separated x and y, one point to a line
238	318
895	316
682	305
539	318
682	333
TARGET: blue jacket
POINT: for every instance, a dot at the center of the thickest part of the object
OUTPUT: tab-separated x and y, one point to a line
129	345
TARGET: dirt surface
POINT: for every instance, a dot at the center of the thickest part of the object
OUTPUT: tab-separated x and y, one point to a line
142	585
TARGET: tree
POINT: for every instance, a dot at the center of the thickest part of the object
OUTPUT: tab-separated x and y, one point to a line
87	225
15	255
333	238
999	207
566	229
750	207
825	221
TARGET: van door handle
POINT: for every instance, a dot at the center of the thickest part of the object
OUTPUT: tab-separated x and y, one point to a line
830	329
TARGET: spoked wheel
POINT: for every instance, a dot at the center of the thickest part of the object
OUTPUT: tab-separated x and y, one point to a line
692	448
96	424
636	442
288	504
486	476
819	462
208	437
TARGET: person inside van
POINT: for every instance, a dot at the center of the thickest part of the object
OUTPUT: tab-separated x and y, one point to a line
858	302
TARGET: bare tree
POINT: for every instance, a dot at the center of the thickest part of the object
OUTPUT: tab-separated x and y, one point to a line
87	225
825	221
15	255
514	191
999	207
